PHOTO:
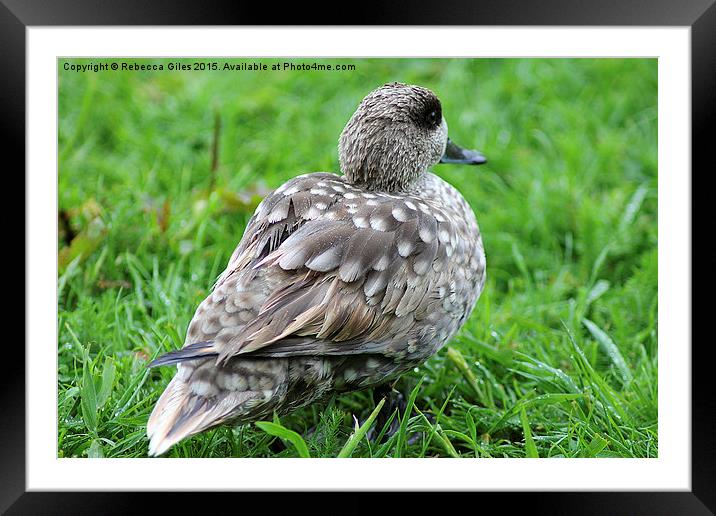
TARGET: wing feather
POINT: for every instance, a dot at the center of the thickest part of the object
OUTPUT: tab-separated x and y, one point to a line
338	268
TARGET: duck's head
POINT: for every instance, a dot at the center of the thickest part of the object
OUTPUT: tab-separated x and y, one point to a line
395	135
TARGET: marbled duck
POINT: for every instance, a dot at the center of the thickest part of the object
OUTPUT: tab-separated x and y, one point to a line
339	283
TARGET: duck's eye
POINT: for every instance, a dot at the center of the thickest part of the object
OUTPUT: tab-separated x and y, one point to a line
432	118
429	116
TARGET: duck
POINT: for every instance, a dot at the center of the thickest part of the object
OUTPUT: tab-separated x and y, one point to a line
341	282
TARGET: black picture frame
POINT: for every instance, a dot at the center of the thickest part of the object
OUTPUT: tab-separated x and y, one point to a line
700	15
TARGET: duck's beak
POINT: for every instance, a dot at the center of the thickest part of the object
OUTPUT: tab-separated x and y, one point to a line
456	154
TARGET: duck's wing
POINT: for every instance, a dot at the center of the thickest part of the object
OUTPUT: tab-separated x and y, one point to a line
341	271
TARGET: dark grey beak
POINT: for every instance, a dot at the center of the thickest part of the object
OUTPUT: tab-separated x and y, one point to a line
458	155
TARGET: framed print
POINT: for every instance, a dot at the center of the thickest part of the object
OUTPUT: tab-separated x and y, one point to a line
261	283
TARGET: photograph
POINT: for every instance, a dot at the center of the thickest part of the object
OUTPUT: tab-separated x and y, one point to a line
343	257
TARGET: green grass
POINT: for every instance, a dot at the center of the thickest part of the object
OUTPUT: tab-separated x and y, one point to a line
559	359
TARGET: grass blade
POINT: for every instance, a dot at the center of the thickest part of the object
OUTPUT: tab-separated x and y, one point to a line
89	397
456	358
95	450
530	448
107	382
632	208
437	432
356	437
400	440
286	435
610	348
596	446
542	399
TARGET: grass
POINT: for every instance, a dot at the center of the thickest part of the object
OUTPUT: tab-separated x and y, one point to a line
159	173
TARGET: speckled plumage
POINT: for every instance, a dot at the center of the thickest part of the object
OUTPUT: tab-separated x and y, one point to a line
339	282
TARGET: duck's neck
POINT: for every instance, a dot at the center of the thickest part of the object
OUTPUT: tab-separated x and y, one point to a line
391	182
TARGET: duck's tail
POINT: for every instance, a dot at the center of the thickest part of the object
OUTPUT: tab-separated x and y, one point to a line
203	395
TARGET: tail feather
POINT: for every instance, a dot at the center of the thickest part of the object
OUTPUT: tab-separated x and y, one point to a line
190	352
163	416
181	412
